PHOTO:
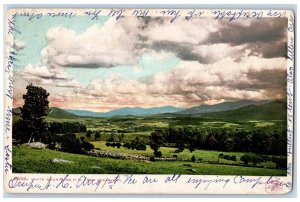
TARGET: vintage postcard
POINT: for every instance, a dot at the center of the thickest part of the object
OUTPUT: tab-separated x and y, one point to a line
149	101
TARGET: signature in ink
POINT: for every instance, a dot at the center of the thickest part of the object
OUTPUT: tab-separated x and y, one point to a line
18	182
7	157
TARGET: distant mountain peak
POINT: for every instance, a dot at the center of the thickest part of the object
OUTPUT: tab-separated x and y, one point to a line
134	111
224	106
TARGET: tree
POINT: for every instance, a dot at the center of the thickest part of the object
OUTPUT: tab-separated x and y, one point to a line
191	148
193	159
87	146
97	135
229	144
138	144
245	158
35	108
88	134
156	140
69	143
157	153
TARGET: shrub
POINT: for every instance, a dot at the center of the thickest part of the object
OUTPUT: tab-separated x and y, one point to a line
281	162
127	145
180	147
118	144
266	158
52	146
140	147
177	151
71	144
88	134
157	153
255	159
233	158
191	149
152	158
87	146
245	158
193	159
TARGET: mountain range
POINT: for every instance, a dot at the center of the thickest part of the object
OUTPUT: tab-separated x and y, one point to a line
134	111
243	109
224	106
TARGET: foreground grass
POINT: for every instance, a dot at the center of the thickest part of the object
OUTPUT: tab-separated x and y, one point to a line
29	160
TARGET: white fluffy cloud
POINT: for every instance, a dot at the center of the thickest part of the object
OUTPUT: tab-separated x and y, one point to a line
115	43
194	31
192	83
43	75
220	61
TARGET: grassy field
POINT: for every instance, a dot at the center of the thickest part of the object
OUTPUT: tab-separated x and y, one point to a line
204	155
29	160
124	129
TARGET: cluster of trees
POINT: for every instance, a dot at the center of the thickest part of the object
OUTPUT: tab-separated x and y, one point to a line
113	144
280	162
227	157
66	127
69	143
135	144
89	134
257	141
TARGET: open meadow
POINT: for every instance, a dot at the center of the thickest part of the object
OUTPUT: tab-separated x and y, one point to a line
114	133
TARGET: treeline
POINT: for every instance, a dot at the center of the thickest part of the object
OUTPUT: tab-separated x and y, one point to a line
263	141
66	127
69	143
135	144
22	132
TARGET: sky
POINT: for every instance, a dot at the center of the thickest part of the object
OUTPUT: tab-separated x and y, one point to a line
148	62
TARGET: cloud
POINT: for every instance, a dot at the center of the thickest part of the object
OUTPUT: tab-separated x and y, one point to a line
266	37
220	61
249	30
215	40
268	49
115	43
123	41
43	75
194	31
192	83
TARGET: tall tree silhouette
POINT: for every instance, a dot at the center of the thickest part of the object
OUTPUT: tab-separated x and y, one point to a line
35	108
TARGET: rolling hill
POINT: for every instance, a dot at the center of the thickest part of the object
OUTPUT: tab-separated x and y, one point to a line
61	113
224	106
54	113
276	110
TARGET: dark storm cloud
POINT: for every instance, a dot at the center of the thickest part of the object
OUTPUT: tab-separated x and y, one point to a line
262	79
269	49
183	51
266	37
263	30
